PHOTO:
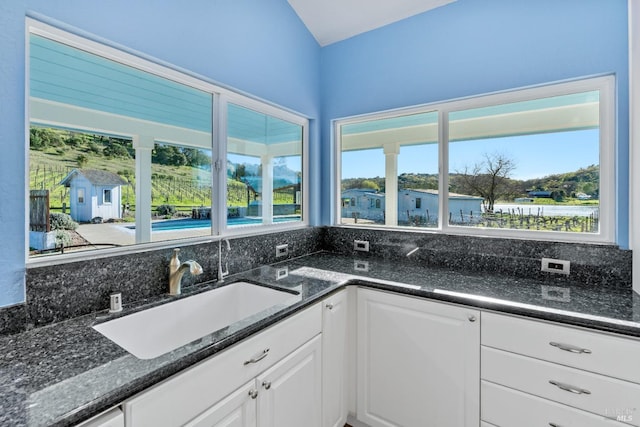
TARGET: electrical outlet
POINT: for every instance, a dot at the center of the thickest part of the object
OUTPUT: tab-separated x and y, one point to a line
282	272
361	245
282	250
558	266
361	265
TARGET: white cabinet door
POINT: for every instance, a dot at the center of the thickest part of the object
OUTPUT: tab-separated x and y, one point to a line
335	357
290	391
111	418
418	362
236	410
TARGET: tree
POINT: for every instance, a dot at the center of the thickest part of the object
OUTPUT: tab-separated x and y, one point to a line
488	179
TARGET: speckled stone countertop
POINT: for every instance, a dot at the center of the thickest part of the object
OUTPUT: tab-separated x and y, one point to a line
65	372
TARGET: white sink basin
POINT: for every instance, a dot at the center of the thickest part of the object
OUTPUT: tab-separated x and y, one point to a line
150	333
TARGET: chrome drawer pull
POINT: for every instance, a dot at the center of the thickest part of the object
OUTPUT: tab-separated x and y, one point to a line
257	358
570	348
569	388
554	425
253	394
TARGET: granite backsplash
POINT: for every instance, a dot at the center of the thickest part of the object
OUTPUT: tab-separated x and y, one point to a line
604	265
63	291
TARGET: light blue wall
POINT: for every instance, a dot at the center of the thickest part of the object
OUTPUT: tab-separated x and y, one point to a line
473	47
257	46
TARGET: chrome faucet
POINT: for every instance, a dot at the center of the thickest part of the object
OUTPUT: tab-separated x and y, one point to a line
222	273
177	270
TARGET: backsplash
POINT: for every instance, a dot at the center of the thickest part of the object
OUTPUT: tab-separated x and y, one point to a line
59	292
590	264
63	291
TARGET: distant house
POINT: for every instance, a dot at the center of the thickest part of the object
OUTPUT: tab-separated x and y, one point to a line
412	203
363	203
94	193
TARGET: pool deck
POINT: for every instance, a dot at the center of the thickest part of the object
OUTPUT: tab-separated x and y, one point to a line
119	234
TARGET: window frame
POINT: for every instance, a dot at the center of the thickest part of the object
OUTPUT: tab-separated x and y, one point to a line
606	86
220	97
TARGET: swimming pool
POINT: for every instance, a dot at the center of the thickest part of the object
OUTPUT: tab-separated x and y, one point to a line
189	223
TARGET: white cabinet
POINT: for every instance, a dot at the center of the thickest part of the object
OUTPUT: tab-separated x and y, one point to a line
335	357
536	373
286	395
197	390
418	362
289	394
236	410
110	418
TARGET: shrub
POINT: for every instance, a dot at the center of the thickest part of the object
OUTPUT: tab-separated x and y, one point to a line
166	210
61	221
63	238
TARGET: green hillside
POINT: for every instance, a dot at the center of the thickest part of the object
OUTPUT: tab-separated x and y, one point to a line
180	176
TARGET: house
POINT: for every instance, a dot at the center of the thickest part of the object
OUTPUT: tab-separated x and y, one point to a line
414	205
94	193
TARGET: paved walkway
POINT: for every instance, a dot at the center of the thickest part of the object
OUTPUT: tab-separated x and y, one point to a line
119	234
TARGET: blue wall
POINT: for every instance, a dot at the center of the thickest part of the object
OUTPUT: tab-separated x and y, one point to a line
257	46
473	47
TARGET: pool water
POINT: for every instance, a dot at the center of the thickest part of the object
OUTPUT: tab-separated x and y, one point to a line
188	223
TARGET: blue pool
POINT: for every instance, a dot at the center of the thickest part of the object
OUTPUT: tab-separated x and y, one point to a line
188	223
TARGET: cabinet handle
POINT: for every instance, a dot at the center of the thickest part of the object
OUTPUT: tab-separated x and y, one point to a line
266	385
570	348
569	388
472	318
554	425
258	357
329	306
253	393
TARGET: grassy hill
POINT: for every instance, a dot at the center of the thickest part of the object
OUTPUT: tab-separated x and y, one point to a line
180	177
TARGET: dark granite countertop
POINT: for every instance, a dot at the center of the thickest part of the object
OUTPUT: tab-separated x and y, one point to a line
65	372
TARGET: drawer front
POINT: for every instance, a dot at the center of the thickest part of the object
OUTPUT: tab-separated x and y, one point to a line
604	354
591	392
506	407
184	396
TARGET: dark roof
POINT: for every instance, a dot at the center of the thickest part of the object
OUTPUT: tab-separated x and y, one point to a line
95	177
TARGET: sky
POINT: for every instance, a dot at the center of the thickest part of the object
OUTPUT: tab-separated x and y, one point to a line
535	156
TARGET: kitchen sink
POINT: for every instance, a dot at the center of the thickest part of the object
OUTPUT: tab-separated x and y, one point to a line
150	333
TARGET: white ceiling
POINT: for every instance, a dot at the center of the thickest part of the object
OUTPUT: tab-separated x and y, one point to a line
333	20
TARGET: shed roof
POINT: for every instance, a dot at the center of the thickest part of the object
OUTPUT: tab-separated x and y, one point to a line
95	177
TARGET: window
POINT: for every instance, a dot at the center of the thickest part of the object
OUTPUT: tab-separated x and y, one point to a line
534	162
141	137
391	159
264	168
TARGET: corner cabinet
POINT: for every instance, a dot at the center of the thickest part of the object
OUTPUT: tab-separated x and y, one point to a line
418	362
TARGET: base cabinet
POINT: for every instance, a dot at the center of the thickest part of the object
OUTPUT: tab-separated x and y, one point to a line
236	410
418	362
286	395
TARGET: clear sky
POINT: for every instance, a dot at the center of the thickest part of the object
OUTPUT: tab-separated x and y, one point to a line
535	156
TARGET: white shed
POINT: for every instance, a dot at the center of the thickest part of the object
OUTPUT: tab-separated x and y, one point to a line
94	193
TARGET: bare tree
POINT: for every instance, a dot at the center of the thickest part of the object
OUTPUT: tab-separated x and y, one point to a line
489	178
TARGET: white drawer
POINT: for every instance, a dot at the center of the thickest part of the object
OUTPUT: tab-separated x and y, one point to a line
179	398
595	393
610	355
506	407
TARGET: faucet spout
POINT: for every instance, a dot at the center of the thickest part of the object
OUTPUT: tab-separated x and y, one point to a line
177	270
222	273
